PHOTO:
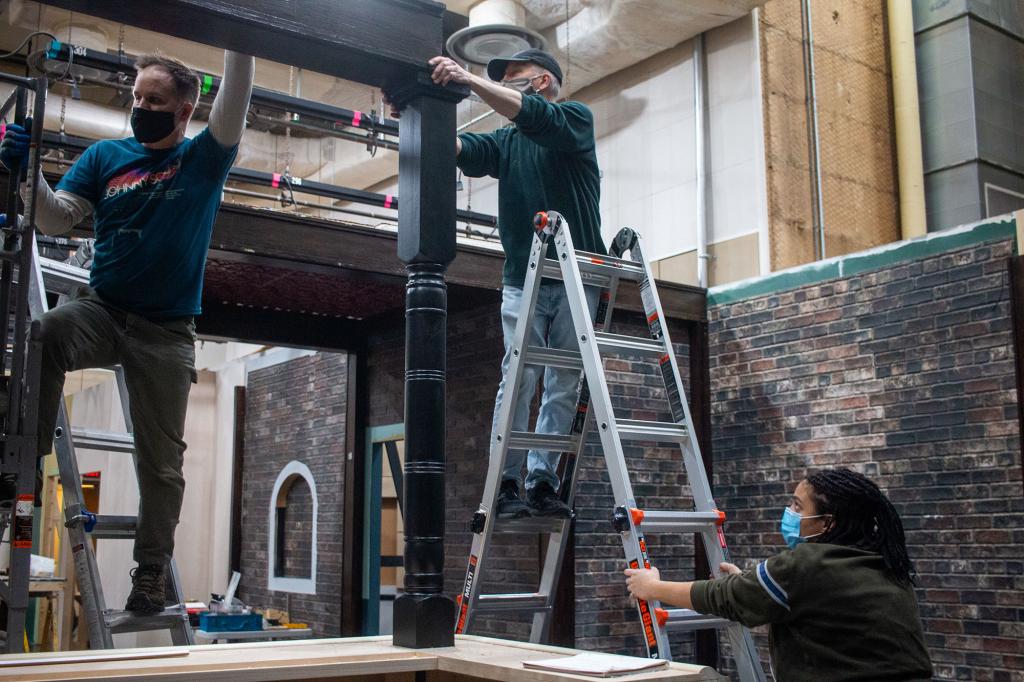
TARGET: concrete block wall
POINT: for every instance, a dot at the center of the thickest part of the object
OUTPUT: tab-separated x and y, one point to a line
296	411
970	59
900	365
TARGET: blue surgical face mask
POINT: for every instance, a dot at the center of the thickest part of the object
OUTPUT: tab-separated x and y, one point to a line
790	527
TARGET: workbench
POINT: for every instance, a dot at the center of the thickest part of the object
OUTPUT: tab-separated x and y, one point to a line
368	659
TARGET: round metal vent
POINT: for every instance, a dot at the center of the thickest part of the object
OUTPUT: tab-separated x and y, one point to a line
480	44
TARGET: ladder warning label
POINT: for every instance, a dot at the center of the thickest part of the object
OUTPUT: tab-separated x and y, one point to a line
647	619
21	535
460	626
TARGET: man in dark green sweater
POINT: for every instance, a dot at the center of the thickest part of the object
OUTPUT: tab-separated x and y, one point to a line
545	161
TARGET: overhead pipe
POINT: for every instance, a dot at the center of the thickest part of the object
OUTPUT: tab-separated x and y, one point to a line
701	157
909	158
813	140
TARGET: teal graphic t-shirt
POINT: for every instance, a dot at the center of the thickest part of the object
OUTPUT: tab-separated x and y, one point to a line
153	218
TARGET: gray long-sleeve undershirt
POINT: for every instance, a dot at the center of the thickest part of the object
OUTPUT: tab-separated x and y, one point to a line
57	212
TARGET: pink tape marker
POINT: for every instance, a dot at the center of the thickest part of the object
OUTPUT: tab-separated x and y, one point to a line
3	130
357	116
276	181
387	201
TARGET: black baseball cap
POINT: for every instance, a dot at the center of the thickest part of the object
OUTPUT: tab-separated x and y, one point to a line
496	67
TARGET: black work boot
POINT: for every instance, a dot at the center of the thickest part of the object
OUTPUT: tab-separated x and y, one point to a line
148	595
510	505
544	501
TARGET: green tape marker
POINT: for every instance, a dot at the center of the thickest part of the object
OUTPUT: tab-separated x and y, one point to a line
207	83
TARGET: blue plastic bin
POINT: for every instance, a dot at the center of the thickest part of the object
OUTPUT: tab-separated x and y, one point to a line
230	622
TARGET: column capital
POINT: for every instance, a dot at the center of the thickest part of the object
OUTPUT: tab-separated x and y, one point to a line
400	93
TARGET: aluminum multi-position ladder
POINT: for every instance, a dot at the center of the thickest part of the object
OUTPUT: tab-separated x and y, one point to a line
578	269
62	278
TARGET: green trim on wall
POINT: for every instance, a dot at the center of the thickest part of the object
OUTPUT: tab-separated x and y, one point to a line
864	261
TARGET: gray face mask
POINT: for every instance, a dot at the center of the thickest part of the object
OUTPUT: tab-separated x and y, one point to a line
523	85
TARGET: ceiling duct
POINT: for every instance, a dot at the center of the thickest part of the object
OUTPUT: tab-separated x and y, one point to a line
497	28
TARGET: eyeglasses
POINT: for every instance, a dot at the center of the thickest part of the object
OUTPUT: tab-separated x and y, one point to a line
517	83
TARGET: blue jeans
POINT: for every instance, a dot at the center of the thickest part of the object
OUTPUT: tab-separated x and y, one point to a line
552	327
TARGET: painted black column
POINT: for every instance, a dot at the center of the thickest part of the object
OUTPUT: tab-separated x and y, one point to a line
424	614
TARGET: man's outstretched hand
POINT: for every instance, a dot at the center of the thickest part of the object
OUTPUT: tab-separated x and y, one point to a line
448	71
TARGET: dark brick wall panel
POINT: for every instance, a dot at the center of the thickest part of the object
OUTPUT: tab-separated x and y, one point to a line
905	374
296	410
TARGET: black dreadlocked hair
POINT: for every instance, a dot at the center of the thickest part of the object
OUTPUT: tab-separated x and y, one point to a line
862	517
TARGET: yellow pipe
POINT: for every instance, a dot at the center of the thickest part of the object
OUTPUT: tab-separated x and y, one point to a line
909	162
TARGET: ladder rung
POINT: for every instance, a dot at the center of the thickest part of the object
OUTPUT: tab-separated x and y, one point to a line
687	619
554	357
609	265
110	527
524	440
619	343
524	601
531	524
635	429
86	439
596	264
127	621
62	278
679	521
594	279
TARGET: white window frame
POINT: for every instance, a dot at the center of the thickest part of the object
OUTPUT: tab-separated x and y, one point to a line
281	583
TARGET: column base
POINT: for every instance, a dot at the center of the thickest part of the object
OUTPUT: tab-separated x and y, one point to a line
424	621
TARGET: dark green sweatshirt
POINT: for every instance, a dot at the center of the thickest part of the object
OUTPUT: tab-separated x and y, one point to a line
547	161
834	615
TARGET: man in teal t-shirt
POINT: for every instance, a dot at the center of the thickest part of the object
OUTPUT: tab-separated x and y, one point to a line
545	161
153	198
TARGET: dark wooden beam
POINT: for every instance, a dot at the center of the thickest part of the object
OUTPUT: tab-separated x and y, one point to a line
304	242
226	322
368	41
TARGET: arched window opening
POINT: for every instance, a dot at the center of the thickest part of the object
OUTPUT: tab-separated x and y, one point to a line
294	521
291	541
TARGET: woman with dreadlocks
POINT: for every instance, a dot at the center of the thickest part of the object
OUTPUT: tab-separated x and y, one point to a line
840	602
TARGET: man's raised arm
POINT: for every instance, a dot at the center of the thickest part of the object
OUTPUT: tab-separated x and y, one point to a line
227	118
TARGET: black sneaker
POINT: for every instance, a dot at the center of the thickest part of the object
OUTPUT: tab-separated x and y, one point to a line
544	501
510	505
148	595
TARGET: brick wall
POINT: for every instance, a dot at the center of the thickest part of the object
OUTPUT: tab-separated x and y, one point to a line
906	374
296	411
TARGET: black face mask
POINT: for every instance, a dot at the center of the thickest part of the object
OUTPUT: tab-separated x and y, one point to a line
152	126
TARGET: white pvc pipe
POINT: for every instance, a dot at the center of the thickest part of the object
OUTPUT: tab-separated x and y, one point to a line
700	157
